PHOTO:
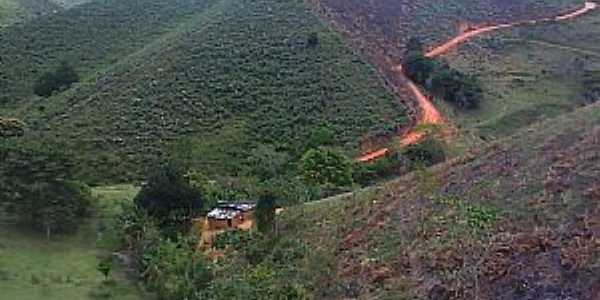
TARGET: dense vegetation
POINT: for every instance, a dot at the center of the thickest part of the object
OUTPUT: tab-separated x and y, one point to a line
53	81
443	81
227	79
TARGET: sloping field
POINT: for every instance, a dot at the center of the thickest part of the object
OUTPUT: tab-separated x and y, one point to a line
528	73
517	220
227	74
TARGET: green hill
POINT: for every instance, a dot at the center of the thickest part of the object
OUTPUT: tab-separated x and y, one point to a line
516	220
228	74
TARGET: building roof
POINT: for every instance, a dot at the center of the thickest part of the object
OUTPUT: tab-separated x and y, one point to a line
239	206
222	214
229	210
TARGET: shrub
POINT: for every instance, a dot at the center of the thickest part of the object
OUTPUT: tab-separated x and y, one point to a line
428	152
393	163
61	78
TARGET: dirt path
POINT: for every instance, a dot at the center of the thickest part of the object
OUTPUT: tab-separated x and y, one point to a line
428	113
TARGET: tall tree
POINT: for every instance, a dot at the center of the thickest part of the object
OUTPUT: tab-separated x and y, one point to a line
169	197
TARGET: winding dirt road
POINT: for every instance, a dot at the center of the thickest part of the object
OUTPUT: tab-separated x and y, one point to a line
428	114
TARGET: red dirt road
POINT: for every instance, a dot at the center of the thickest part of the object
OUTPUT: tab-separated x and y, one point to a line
428	113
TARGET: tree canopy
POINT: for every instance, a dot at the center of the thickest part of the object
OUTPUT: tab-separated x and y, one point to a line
61	78
323	166
36	188
169	197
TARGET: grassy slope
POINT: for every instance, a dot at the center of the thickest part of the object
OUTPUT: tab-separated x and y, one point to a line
32	267
91	36
235	65
527	73
517	219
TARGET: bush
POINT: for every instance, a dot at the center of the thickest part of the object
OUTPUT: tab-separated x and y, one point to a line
428	152
61	78
393	163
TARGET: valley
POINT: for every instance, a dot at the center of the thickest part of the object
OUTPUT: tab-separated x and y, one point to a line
313	149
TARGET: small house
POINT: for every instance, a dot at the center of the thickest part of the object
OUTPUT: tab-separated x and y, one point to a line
230	215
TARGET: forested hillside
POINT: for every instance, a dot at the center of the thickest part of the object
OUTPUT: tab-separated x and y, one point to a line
227	74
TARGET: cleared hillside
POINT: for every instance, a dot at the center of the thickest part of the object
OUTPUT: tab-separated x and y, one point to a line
517	220
529	73
232	76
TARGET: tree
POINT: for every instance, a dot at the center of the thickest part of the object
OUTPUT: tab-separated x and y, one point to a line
36	188
61	78
264	213
419	68
327	167
169	197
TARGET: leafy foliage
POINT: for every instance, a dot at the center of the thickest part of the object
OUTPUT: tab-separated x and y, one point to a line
61	78
392	163
264	213
419	68
453	86
169	197
35	187
429	152
324	166
450	84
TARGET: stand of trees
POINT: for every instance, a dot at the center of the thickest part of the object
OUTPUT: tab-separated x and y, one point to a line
441	80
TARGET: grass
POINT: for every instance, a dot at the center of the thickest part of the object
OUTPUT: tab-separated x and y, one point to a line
64	267
529	74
